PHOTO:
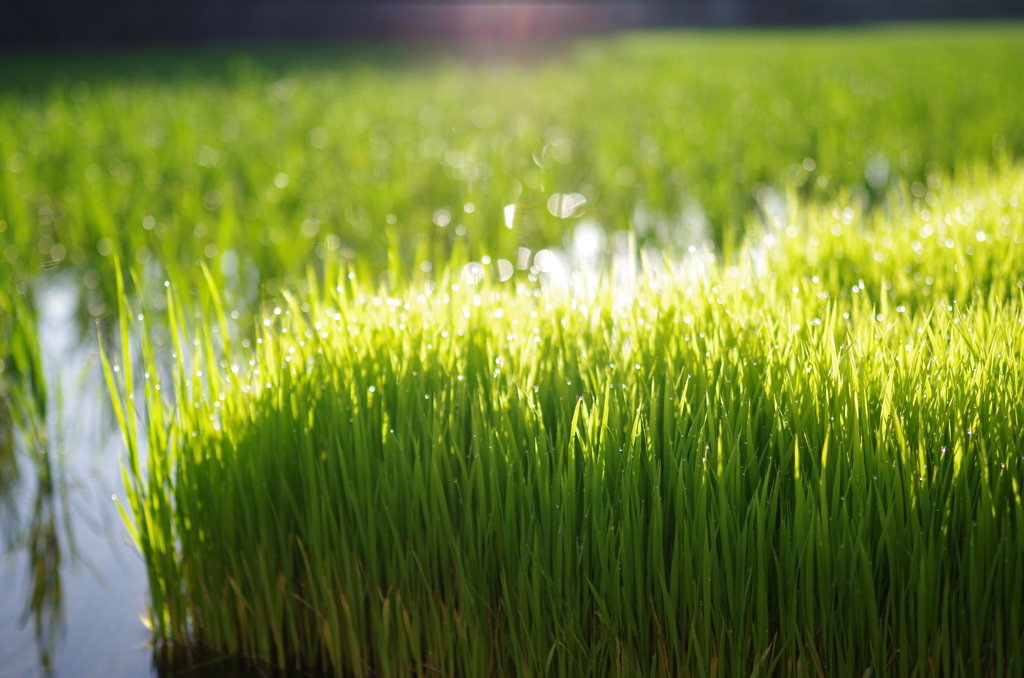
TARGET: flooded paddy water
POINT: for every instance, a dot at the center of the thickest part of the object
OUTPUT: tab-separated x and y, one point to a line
71	588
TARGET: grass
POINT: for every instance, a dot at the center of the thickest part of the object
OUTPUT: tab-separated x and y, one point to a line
801	460
787	445
257	163
260	163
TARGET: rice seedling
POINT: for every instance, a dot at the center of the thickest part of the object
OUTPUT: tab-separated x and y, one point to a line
257	163
802	460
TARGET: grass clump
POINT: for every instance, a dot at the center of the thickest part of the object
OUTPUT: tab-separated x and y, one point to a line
739	468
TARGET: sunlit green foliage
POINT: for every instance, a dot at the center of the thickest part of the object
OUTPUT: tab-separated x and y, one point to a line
806	460
257	163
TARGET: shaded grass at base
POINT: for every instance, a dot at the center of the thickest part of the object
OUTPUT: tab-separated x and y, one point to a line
704	468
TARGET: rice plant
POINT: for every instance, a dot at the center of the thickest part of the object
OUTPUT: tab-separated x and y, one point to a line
257	162
802	460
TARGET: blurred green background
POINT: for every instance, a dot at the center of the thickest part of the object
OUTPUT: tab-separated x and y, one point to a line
261	162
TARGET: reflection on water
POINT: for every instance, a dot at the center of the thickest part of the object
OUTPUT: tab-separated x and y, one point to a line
8	476
23	423
41	541
71	590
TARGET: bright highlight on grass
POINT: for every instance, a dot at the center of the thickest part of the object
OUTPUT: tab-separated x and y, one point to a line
805	462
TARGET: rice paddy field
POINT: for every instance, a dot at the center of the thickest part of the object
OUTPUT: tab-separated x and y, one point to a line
653	354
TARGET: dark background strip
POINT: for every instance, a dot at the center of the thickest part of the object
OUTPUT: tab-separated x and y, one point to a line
90	23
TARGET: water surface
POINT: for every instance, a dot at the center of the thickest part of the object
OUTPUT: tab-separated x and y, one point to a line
72	587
